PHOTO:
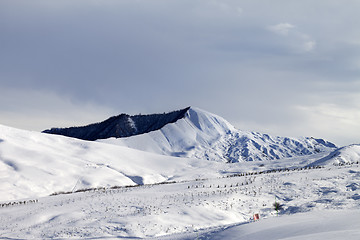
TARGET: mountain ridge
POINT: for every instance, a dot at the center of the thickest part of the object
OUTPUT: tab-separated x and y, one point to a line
345	155
194	133
119	126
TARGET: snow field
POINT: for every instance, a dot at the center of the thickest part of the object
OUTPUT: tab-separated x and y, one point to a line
315	225
182	208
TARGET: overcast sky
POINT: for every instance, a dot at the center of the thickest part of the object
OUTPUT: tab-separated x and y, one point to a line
284	67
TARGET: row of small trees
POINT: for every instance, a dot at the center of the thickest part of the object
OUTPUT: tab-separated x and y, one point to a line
273	171
345	164
8	204
228	176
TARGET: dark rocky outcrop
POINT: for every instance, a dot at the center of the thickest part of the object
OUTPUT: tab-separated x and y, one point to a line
120	126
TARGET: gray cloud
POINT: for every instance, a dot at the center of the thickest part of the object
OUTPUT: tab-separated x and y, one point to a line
263	67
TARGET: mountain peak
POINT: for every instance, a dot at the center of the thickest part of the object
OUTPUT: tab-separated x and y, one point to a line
194	133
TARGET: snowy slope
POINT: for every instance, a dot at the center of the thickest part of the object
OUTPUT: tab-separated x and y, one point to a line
206	197
204	135
200	209
344	155
317	225
35	164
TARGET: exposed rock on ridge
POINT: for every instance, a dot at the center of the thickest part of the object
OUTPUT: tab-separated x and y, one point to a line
120	126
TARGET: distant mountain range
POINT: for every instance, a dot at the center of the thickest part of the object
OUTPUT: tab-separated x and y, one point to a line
194	133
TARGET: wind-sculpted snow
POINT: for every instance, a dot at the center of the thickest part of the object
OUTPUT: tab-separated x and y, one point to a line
207	136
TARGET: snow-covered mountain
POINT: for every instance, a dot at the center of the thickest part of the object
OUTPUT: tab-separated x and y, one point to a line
344	155
201	199
203	135
37	164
